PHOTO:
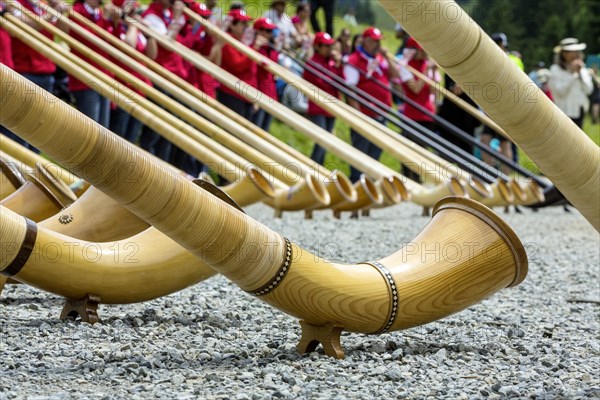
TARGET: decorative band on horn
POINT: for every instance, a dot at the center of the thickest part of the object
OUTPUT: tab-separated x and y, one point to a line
394	296
24	252
281	272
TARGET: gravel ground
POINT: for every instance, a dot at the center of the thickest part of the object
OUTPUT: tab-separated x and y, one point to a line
213	341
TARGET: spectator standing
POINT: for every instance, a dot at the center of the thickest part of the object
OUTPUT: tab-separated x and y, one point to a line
303	39
328	7
343	43
350	17
122	123
328	58
216	16
23	59
595	96
264	44
286	31
570	81
236	63
87	100
201	41
366	66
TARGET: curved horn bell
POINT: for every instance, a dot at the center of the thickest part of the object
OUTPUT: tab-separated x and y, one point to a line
10	177
479	255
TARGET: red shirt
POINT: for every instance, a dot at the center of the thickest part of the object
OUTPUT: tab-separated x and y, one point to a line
264	79
97	18
25	59
328	64
201	42
170	60
5	49
120	32
240	65
378	71
422	98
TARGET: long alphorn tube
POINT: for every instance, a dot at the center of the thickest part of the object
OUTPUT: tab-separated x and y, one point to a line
11	178
406	154
397	292
419	194
223	116
30	158
338	190
224	168
546	134
33	200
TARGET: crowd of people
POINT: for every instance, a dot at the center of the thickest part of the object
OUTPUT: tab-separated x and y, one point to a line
360	61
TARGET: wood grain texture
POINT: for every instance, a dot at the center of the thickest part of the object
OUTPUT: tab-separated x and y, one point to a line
33	200
509	97
356	297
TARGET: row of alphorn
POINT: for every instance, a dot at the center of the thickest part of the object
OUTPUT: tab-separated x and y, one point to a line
202	234
308	192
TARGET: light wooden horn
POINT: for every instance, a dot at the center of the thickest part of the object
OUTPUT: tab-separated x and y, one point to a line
335	183
11	178
545	133
397	292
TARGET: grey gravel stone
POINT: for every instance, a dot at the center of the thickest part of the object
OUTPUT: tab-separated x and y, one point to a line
214	341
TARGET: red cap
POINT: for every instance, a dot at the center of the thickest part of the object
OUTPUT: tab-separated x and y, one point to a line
296	19
120	3
264	23
411	43
324	38
373	33
200	9
239	15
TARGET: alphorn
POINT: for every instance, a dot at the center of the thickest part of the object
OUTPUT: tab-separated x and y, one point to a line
338	191
304	193
11	178
226	169
338	186
536	125
419	194
397	292
30	158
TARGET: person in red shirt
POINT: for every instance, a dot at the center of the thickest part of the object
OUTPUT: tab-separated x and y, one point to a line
5	43
23	59
331	60
167	20
366	65
264	44
87	100
202	42
236	63
122	123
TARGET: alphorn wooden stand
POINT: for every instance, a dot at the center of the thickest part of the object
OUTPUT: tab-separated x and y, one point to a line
86	309
328	336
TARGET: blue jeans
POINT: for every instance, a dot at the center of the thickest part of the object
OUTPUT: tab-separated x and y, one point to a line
46	82
125	125
327	123
364	145
90	103
262	119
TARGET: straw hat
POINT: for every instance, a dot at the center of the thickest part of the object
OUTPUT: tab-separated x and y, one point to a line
570	44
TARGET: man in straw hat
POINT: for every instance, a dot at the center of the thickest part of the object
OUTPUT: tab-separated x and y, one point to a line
570	82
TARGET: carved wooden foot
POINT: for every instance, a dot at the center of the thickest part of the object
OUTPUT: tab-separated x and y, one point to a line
366	212
354	215
426	212
86	309
337	214
278	214
328	335
308	214
3	280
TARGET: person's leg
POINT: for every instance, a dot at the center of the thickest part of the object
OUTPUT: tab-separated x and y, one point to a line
88	103
362	144
132	132
163	149
318	153
104	113
258	117
314	6
266	122
486	139
507	150
328	7
119	120
149	139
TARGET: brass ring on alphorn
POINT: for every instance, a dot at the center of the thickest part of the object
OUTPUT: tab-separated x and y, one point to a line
281	272
394	295
24	252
